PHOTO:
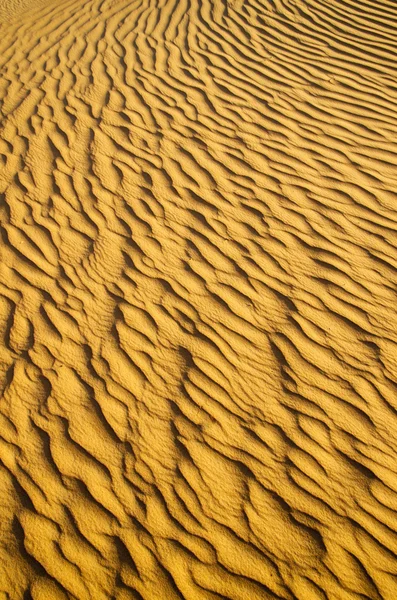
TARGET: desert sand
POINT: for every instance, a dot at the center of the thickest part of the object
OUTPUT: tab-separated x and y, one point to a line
198	300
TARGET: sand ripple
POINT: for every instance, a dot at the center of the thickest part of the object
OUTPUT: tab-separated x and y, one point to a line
198	355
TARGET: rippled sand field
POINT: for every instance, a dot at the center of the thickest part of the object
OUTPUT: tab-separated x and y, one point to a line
198	300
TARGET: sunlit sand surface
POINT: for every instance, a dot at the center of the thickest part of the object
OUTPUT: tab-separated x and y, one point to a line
198	300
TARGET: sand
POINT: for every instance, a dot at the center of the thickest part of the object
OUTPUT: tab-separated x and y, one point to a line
198	306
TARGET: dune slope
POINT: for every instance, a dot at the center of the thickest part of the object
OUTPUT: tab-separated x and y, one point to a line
198	323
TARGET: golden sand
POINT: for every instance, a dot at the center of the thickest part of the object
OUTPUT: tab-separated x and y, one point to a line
198	305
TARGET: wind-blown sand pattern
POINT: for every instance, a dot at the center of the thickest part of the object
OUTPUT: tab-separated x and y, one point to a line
198	300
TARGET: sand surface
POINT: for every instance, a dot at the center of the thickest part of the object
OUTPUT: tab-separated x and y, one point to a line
198	307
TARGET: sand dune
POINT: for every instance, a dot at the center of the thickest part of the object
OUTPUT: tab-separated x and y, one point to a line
198	300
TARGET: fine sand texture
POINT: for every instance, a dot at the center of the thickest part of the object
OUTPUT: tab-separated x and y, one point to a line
198	300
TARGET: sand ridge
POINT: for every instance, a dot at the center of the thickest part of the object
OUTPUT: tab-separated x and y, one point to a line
198	300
